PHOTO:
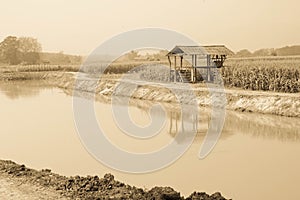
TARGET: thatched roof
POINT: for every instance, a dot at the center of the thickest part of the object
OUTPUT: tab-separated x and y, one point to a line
200	50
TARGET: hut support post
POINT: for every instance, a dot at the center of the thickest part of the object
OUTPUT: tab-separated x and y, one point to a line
208	68
175	70
181	58
192	69
170	67
195	64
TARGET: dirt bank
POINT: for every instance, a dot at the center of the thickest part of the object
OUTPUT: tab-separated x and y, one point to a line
282	104
19	182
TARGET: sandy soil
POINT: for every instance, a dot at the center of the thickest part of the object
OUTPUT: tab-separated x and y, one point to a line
11	188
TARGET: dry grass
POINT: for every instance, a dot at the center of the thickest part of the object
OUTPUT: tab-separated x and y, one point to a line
113	68
32	72
38	68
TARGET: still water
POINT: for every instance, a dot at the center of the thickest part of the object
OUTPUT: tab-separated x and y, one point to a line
257	156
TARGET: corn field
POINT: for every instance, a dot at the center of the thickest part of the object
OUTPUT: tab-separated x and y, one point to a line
268	74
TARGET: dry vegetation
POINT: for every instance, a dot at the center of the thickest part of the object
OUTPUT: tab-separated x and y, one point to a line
38	68
115	67
278	74
32	72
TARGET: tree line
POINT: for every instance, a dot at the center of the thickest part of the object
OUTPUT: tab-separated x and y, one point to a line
284	51
22	50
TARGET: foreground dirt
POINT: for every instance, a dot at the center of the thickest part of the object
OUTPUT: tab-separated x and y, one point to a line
19	182
11	188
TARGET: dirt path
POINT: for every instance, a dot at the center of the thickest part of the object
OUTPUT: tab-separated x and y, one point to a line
18	189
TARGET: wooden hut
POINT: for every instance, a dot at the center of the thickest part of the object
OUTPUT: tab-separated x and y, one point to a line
196	63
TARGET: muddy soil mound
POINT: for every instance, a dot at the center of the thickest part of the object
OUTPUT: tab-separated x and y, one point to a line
93	187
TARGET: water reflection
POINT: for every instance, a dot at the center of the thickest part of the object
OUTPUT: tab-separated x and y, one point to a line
255	125
19	89
264	126
244	159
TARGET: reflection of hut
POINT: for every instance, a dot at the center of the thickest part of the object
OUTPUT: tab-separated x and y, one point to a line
188	124
196	63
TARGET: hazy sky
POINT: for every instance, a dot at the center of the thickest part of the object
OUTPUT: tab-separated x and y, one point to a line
78	27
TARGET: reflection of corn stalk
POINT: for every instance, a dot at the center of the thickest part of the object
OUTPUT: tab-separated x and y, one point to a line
263	126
